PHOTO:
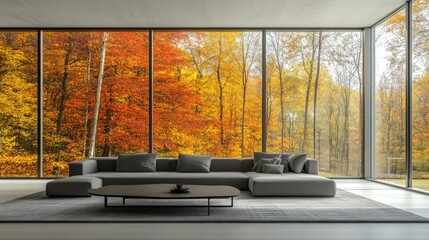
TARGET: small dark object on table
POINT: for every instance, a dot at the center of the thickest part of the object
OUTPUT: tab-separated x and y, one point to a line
179	189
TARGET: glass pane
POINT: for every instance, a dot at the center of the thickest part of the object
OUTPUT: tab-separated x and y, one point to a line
299	63
390	79
339	105
290	73
420	94
18	104
207	93
82	69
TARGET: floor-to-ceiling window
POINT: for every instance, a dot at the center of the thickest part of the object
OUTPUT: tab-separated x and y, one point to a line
18	104
420	100
95	96
390	83
314	86
207	93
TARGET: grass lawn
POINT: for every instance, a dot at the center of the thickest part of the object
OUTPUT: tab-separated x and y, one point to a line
417	183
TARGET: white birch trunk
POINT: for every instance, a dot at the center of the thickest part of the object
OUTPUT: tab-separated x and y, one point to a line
91	152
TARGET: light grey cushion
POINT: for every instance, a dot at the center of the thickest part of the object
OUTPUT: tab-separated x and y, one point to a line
139	162
257	158
297	162
263	161
311	166
235	179
272	168
193	163
290	184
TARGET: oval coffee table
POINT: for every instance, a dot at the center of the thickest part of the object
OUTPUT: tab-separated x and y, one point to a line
162	191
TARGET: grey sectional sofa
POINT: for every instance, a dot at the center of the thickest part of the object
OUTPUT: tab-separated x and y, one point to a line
87	173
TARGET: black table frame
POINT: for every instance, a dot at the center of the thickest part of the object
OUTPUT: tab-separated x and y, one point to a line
208	206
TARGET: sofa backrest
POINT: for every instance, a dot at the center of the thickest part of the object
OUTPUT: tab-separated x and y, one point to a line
166	164
108	164
246	164
225	165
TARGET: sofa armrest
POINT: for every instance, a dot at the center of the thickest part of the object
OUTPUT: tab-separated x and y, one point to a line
83	167
311	166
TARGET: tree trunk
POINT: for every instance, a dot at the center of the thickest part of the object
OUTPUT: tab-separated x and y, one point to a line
331	137
63	99
221	86
219	81
307	93
87	91
389	127
279	66
361	167
107	150
243	105
282	109
244	79
91	152
346	129
316	85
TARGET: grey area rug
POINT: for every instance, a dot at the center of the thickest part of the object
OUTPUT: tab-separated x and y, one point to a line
345	207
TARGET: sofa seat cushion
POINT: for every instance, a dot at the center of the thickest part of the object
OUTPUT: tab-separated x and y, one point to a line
234	179
290	184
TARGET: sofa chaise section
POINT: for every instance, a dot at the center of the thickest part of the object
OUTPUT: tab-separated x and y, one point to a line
76	186
290	184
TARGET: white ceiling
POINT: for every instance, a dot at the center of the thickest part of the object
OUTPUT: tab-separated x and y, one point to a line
195	13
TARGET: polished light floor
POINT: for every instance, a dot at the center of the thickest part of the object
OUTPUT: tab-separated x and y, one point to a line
414	202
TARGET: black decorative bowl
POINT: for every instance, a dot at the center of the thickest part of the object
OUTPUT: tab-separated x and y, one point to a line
179	189
183	190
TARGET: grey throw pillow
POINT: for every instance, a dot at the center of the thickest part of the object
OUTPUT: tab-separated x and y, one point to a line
257	157
273	168
296	162
193	163
285	161
139	162
263	161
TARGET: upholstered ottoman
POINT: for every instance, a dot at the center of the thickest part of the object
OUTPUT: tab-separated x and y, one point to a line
72	187
291	184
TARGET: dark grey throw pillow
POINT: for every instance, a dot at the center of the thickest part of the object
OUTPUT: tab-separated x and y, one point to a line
193	163
296	162
273	168
257	157
139	162
285	161
264	161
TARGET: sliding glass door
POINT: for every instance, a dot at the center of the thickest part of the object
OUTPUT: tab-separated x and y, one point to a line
390	82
